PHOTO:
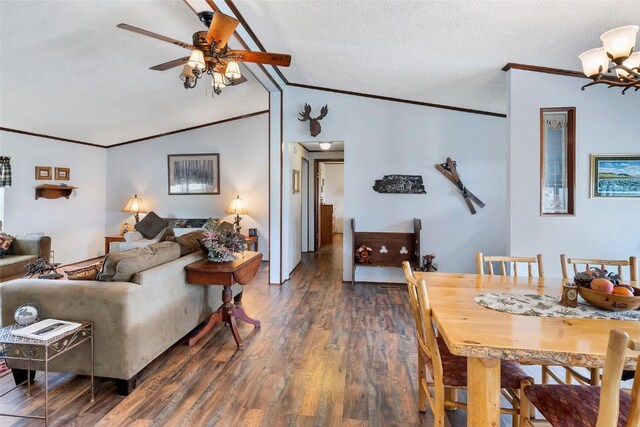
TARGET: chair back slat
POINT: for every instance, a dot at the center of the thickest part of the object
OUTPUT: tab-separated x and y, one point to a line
421	308
609	406
511	261
582	264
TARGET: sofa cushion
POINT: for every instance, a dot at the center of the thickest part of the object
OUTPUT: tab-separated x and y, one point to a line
121	266
13	265
151	225
5	242
188	242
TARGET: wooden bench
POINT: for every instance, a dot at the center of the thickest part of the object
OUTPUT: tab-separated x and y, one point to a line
388	249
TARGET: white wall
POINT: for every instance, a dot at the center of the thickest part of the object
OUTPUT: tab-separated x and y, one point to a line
334	193
76	225
141	168
606	122
383	137
292	213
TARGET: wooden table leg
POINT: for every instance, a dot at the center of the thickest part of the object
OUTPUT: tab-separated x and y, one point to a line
483	392
214	319
240	314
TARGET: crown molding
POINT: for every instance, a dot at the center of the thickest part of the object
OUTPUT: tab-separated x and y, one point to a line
55	138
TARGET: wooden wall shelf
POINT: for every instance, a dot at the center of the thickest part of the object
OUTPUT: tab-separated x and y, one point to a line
51	191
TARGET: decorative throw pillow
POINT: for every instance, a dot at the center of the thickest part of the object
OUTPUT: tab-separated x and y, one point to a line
151	225
164	234
121	266
5	242
189	242
90	272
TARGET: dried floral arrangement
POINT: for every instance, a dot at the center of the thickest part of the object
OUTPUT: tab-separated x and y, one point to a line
222	242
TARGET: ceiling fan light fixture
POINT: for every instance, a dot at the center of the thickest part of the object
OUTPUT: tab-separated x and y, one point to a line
196	60
325	145
187	74
619	42
233	70
217	82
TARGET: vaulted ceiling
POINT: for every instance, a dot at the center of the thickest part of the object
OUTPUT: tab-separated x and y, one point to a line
67	71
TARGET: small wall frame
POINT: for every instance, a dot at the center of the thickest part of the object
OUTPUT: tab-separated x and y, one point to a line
43	173
295	181
62	174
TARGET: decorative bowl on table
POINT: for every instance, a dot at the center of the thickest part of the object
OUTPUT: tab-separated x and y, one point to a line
611	302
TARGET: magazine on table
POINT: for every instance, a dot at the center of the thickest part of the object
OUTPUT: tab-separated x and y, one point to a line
45	329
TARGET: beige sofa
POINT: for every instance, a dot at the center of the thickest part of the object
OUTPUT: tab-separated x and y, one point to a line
25	249
134	321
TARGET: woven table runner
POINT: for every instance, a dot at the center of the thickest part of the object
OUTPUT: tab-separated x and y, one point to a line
547	306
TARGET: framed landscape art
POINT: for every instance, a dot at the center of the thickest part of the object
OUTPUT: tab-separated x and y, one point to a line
193	173
615	175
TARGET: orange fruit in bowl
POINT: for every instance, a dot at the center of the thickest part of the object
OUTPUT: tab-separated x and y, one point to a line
622	290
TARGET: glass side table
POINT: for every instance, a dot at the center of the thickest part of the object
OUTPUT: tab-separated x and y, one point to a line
19	348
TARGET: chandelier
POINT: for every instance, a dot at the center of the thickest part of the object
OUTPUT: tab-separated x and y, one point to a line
196	68
617	56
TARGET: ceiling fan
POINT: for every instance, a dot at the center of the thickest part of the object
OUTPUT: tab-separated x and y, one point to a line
210	54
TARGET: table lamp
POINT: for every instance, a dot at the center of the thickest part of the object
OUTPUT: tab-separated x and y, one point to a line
238	207
136	206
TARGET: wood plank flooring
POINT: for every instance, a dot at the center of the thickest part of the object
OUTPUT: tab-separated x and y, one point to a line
328	354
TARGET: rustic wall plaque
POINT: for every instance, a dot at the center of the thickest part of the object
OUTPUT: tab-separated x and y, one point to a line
401	184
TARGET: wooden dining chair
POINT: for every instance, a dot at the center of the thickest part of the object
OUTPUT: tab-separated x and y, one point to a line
588	406
511	261
448	372
582	264
590	376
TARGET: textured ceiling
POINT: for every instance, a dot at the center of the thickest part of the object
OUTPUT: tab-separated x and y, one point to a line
445	52
67	71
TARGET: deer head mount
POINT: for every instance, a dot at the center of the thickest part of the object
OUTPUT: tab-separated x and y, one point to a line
314	124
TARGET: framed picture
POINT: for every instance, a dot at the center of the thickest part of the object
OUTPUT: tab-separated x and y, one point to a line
615	175
295	180
253	232
43	172
193	173
62	174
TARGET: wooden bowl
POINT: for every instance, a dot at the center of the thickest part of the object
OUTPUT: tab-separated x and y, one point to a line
610	302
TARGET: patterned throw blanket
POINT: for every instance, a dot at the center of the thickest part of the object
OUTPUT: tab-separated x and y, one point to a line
548	306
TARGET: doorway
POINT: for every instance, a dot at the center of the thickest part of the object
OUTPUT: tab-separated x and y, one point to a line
329	201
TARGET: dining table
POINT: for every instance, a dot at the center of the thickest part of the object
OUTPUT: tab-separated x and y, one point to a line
486	336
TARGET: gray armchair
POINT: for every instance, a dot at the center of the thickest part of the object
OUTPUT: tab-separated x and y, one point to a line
25	249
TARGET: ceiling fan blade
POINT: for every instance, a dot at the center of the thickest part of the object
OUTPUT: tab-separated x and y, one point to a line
260	57
221	29
171	64
190	7
155	36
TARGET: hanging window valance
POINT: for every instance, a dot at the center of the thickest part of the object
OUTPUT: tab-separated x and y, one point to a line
5	171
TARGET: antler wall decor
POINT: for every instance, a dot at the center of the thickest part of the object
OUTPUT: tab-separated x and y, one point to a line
448	169
314	124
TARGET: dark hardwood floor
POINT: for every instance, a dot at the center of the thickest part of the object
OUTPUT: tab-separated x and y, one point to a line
328	354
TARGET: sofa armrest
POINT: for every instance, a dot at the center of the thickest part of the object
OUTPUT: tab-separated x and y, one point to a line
132	236
31	244
113	307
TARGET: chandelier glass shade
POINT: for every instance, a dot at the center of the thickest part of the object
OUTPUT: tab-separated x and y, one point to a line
615	64
197	66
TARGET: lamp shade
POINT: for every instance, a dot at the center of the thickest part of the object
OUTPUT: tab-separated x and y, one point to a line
218	81
594	61
237	206
633	61
187	73
196	60
619	42
233	71
135	205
